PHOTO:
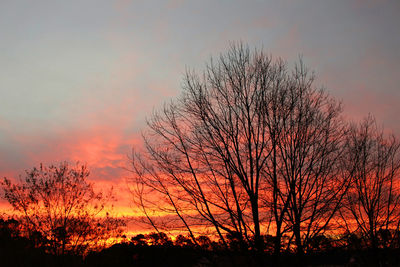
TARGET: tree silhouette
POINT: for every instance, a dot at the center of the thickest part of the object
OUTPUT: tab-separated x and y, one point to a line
247	146
59	204
306	133
309	154
183	241
372	205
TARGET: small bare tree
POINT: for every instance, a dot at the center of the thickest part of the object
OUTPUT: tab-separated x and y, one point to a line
372	205
306	132
310	148
59	203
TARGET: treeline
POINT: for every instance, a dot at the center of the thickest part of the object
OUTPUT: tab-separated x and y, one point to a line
158	249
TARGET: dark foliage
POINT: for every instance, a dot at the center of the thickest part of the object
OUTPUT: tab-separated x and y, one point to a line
157	249
21	251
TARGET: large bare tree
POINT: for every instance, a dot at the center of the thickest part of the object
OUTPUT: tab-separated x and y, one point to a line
247	148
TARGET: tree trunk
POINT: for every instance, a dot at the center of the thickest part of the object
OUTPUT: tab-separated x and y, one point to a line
278	238
258	242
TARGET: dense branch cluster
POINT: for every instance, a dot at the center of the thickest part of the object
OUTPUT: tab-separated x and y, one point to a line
253	149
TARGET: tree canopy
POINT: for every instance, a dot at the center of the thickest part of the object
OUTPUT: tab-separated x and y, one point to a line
250	146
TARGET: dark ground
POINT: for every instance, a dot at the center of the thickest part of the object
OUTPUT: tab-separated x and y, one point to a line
146	256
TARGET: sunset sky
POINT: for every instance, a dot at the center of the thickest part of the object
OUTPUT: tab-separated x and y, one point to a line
78	78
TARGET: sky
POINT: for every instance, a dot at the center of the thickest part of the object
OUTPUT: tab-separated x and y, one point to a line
79	78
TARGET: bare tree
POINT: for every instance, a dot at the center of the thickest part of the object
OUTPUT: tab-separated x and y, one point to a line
306	134
207	152
310	148
59	203
372	205
220	157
